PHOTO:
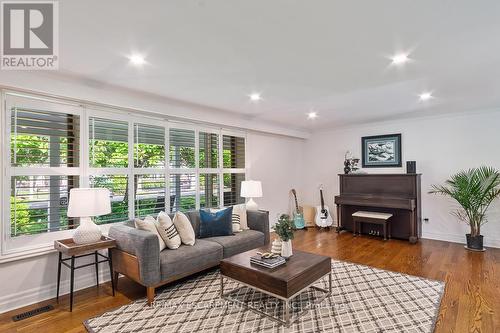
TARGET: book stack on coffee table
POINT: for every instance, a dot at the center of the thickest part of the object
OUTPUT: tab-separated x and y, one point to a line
267	262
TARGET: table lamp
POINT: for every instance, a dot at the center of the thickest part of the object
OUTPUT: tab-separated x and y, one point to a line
86	203
251	189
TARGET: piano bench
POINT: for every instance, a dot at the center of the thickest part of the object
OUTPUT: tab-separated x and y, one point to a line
371	217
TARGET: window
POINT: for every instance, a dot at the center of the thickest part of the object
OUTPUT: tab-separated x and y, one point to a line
182	148
118	187
183	192
39	204
44	164
149	195
232	187
149	146
44	139
233	149
56	146
108	143
209	190
209	150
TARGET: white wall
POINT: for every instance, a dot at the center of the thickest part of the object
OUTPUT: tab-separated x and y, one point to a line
276	161
440	145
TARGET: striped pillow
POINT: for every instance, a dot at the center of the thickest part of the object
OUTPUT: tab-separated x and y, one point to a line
236	222
167	231
241	211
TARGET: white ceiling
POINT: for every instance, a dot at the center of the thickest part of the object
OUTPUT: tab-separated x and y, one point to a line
330	56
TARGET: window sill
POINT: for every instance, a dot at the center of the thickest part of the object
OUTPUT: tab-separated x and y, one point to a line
25	254
45	248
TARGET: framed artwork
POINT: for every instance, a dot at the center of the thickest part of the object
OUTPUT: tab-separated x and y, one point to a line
381	151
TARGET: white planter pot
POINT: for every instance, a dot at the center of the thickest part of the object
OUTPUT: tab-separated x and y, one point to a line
276	247
286	249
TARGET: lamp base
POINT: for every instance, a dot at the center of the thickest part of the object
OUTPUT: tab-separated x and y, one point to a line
87	232
252	205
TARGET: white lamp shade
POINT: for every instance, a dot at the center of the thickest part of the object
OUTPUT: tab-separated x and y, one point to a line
84	202
251	189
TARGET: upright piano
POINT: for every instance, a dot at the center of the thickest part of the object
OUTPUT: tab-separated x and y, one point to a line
398	194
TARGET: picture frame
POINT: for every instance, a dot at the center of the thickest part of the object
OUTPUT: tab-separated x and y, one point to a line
381	151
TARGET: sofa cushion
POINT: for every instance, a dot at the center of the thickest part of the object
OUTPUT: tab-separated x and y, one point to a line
184	228
240	242
216	224
187	259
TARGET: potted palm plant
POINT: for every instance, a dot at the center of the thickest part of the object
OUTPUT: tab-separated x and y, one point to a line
474	189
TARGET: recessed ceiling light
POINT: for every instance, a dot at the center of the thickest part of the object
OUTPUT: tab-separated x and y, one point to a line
312	115
137	60
255	97
400	59
425	96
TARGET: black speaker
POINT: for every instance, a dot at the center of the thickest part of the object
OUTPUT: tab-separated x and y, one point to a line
411	167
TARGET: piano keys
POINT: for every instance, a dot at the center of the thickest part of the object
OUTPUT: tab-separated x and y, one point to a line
398	194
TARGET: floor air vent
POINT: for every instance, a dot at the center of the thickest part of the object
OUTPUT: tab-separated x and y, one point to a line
32	313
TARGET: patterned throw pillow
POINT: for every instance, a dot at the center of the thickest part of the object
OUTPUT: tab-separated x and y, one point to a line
167	231
149	224
184	228
240	216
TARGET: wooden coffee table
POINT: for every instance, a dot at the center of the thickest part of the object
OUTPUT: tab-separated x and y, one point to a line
285	282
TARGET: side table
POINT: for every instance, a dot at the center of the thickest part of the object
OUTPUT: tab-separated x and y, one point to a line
74	251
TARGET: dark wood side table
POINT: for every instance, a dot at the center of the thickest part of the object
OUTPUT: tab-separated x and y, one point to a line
75	251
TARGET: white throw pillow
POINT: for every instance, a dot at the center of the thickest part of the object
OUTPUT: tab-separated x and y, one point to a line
184	228
241	212
149	224
167	231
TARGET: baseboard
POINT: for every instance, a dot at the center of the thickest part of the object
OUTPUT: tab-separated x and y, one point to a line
43	293
488	241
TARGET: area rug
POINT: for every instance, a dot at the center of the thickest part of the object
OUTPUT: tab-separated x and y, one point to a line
364	299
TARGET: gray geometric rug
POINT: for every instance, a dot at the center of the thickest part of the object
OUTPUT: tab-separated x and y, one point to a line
364	299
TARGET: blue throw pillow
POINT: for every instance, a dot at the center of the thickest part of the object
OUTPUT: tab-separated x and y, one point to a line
216	224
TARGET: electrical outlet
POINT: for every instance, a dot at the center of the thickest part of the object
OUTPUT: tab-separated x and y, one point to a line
426	220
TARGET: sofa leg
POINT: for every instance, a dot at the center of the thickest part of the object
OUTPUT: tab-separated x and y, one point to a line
151	295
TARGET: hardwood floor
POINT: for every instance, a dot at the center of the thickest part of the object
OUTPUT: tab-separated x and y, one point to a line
471	302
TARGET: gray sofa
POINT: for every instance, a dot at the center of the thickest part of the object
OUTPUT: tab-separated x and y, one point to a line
138	257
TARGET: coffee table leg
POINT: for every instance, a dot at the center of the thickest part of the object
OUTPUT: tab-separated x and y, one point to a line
330	283
287	313
221	286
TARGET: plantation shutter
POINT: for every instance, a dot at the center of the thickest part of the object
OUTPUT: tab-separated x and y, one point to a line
232	188
182	192
108	143
182	145
149	146
44	139
149	195
234	151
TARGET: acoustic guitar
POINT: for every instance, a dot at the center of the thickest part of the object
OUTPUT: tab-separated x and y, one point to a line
323	218
298	217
